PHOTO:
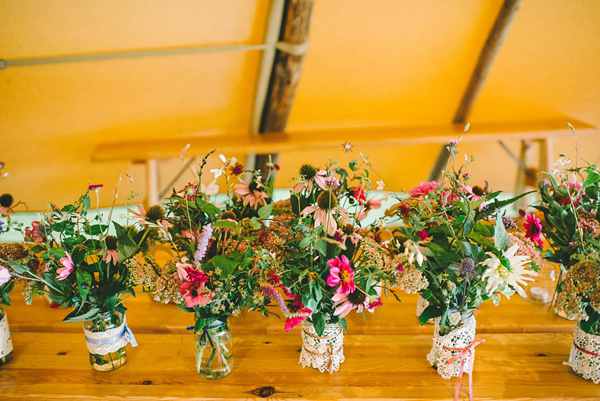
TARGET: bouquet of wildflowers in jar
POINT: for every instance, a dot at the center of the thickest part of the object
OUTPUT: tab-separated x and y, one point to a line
82	267
581	298
6	286
218	256
328	264
569	203
457	257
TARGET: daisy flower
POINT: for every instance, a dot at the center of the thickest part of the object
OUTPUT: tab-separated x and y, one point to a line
297	313
155	216
252	194
372	204
327	204
340	273
357	299
497	274
475	193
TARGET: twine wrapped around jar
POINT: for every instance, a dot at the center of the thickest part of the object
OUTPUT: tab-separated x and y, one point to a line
326	352
585	355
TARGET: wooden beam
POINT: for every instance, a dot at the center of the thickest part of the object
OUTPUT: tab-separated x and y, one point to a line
482	69
286	71
378	136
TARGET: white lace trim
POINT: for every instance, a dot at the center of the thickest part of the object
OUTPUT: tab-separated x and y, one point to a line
422	304
6	346
102	336
584	364
457	338
326	352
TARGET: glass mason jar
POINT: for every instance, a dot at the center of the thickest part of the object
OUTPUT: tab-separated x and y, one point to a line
107	353
5	340
541	290
214	349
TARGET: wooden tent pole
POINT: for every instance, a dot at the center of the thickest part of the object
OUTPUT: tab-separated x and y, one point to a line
482	69
286	71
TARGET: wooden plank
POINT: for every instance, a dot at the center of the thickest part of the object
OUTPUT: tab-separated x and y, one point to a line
482	69
149	317
507	366
360	137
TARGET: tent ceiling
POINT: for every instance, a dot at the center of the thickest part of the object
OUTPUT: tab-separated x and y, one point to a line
379	63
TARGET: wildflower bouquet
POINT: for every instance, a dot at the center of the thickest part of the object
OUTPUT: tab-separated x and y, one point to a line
218	257
329	265
457	256
80	266
569	203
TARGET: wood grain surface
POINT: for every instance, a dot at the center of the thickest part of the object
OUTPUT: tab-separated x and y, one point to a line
385	358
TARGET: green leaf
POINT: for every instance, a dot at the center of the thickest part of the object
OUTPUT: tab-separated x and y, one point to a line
255	223
432	311
322	247
501	239
77	316
226	265
265	211
126	247
319	323
199	325
225	223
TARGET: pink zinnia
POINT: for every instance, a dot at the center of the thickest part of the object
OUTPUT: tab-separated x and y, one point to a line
64	272
296	313
424	188
340	273
533	225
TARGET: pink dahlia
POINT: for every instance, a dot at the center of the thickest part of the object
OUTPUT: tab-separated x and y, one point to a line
340	273
533	225
424	188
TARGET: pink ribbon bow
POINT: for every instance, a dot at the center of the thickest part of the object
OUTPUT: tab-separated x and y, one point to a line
468	350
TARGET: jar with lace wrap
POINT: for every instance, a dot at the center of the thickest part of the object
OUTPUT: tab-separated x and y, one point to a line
325	352
449	342
5	340
585	355
214	349
106	337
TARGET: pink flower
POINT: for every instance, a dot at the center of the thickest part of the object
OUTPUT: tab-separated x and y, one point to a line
340	273
320	178
422	235
344	303
64	272
372	204
111	255
359	194
95	187
424	188
4	275
533	225
475	194
195	293
296	313
36	233
252	194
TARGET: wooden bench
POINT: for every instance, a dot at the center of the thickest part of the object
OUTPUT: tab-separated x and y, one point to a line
151	151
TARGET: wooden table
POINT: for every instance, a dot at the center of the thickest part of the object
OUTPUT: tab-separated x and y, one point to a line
385	358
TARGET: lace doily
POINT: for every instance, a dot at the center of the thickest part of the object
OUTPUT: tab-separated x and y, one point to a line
422	304
105	342
457	338
325	352
6	346
585	355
